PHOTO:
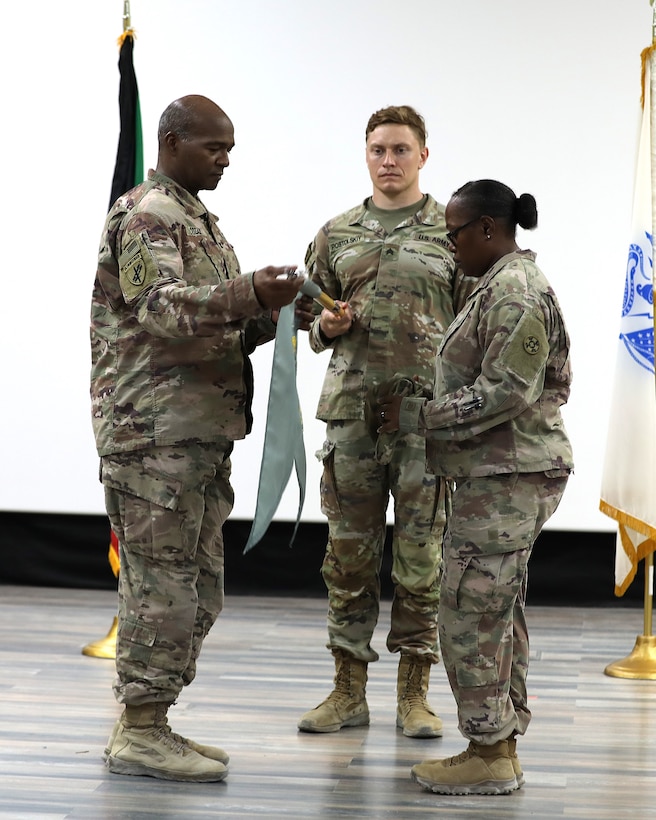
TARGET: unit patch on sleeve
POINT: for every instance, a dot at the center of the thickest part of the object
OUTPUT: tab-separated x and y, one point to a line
527	349
137	268
531	345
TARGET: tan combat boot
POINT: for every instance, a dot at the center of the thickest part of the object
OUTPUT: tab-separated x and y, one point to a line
143	744
346	704
213	752
478	770
413	714
517	766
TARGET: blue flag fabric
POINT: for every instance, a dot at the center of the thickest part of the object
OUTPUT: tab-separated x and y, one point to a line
283	437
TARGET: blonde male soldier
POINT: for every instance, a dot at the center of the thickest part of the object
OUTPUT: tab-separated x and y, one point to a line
389	264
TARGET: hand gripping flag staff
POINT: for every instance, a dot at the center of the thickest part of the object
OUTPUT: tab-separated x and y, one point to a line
283	436
628	491
128	172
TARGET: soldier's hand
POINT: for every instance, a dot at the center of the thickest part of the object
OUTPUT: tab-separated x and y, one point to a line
389	408
333	324
273	288
304	312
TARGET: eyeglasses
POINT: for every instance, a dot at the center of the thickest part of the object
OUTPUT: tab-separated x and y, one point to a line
453	235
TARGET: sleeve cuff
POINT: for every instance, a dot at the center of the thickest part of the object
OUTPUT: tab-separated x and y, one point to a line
409	414
319	342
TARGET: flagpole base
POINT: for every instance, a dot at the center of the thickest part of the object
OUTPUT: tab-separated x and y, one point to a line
105	647
640	664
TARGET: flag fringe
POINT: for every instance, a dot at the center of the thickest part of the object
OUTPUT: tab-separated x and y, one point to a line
129	32
626	520
635	555
645	57
114	562
114	556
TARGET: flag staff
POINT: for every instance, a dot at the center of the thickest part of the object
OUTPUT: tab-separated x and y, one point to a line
641	663
106	647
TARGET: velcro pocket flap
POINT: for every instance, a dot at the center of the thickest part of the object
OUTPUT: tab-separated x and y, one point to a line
158	488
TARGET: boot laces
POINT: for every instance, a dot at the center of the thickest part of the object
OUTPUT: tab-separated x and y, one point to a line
168	738
339	698
343	692
343	681
162	722
178	738
456	760
414	695
416	701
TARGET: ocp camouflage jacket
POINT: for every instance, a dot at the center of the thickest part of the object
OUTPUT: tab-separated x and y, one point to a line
502	373
171	325
401	288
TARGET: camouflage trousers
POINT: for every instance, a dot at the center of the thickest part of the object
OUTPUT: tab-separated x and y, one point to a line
167	506
355	492
491	528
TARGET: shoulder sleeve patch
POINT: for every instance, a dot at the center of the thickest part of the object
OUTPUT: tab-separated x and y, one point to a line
137	268
527	349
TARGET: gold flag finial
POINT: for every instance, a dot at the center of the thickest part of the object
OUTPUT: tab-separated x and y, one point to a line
127	24
647	52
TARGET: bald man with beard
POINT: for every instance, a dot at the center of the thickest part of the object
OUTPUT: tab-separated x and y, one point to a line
173	321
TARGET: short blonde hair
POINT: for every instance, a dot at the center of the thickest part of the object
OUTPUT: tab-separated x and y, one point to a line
399	115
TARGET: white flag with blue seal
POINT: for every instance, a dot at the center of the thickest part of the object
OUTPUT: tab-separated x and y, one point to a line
628	492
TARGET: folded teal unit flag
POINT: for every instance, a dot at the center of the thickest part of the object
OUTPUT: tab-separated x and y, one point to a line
283	437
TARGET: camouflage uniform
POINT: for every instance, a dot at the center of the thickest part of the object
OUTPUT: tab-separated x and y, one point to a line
172	323
503	372
400	286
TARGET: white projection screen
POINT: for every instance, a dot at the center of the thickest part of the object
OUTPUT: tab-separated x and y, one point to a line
543	96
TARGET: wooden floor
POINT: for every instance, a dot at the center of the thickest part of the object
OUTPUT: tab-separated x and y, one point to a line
590	751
